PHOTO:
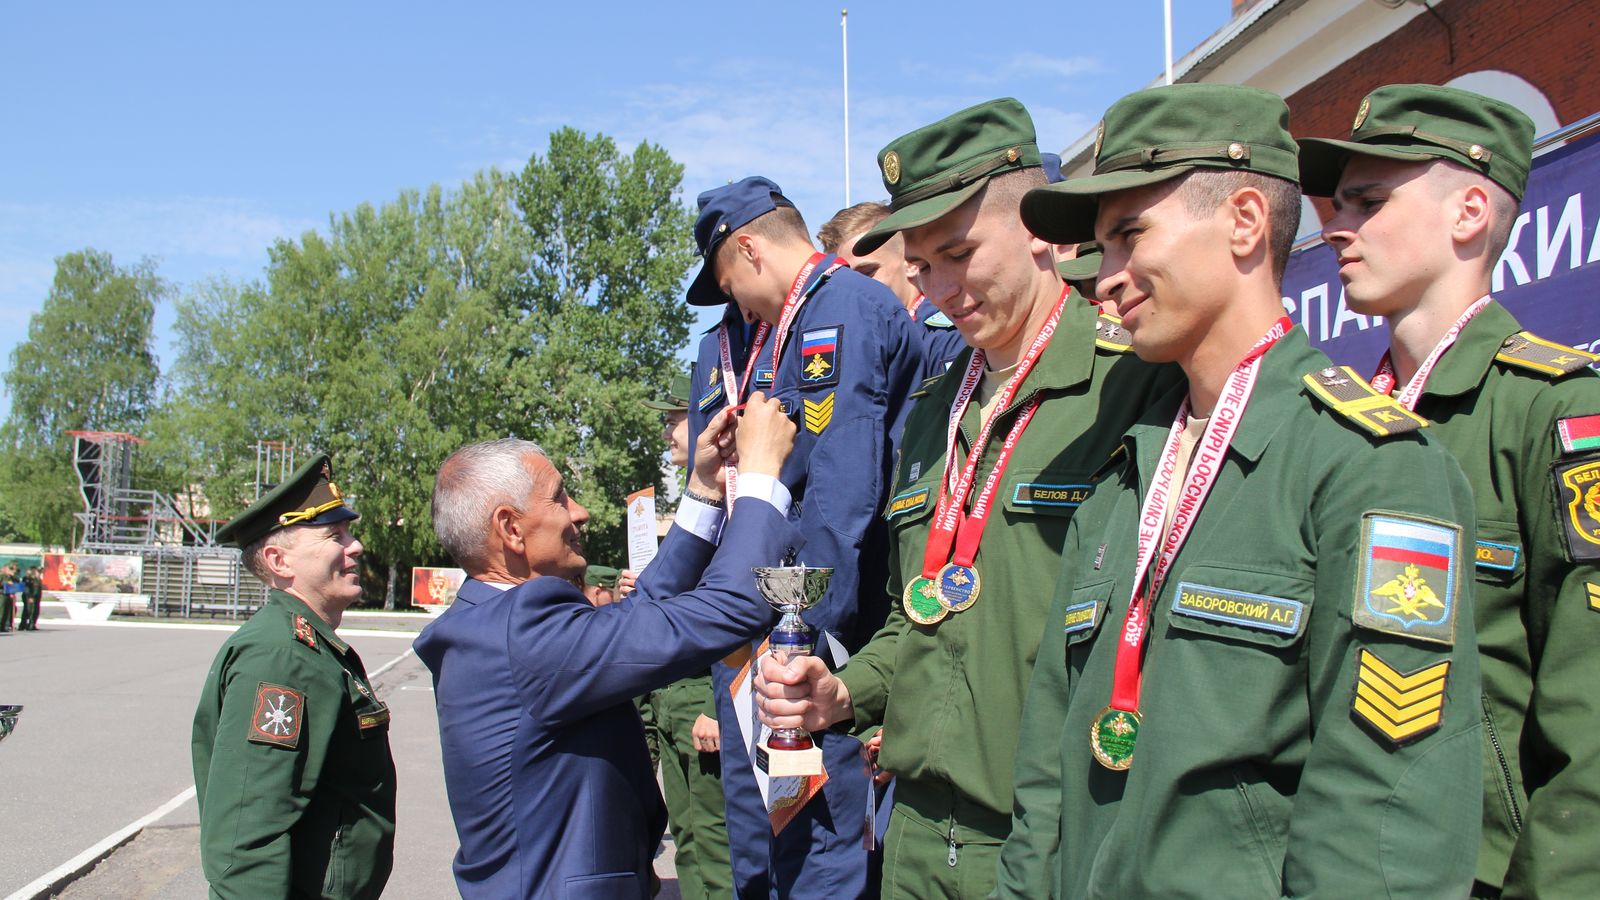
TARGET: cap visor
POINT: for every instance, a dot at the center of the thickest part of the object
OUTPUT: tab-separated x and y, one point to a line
1322	161
920	213
663	406
344	512
1079	269
1064	213
703	291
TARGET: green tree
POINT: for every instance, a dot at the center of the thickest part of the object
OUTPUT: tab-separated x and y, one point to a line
87	364
542	304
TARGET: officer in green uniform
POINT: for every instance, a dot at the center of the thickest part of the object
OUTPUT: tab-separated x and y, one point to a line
1082	271
1044	398
683	719
292	769
1425	192
1259	676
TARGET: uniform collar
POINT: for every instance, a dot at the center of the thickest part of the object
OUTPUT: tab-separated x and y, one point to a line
298	607
1463	367
1276	391
1067	360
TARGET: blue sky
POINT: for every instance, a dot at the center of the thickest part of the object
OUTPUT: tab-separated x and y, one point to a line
197	134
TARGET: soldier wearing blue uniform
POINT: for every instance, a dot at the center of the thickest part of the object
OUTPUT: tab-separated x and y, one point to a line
839	349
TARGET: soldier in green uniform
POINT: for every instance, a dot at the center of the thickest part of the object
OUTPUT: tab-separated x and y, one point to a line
292	769
1031	413
1259	676
600	584
683	718
1425	192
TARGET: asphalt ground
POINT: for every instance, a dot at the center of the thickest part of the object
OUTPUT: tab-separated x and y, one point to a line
103	744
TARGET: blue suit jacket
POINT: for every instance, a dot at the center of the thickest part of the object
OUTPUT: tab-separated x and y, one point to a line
545	763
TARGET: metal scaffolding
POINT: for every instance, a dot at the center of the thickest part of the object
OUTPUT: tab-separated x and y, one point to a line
186	573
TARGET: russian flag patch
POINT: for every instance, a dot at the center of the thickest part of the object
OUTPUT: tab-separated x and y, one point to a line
1410	575
819	356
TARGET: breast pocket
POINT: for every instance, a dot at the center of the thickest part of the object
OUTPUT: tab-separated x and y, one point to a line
1253	608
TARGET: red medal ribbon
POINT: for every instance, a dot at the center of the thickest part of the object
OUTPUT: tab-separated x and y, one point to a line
737	391
1384	380
1204	467
953	492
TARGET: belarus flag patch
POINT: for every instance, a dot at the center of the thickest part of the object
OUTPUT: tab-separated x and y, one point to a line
1578	434
1410	575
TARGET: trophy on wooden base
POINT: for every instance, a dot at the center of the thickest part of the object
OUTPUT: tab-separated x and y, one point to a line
791	590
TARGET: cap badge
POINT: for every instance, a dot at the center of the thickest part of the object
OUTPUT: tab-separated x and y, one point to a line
1099	138
891	167
1361	114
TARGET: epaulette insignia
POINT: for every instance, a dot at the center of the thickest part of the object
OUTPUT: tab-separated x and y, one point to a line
304	633
927	385
279	712
1545	357
1399	707
1110	335
1115	457
938	320
1349	395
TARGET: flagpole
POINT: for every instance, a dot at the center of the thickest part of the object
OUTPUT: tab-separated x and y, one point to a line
1166	8
844	39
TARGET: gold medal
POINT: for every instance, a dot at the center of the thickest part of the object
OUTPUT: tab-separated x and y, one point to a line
921	602
1112	735
958	587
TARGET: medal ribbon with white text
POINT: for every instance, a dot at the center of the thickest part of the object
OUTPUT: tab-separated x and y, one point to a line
1383	380
1157	549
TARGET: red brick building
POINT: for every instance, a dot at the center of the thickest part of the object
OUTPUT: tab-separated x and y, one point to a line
1325	55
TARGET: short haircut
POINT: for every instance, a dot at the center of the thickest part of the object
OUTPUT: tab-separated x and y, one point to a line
1006	189
849	222
783	225
251	554
473	482
1503	207
1203	190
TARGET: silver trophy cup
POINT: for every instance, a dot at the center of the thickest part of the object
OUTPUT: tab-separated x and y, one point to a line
791	590
8	719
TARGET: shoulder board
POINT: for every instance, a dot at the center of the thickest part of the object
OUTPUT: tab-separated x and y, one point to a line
938	320
1116	456
1110	335
304	633
1530	351
927	385
1349	395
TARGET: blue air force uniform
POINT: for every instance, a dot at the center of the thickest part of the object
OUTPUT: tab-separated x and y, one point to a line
941	342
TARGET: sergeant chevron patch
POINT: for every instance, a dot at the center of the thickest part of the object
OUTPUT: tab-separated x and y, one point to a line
1594	595
1399	707
819	413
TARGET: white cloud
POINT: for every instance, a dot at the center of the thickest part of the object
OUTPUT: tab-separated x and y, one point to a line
219	228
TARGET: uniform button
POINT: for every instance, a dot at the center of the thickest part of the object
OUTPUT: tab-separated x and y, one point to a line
1236	150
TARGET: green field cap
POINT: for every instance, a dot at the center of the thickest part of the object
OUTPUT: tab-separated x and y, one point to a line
677	396
1158	134
938	167
601	576
308	497
1085	266
1419	122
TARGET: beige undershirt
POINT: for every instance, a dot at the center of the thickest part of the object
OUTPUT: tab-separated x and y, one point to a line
1188	439
989	390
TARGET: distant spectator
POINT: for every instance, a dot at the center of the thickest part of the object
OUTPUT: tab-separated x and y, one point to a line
32	595
11	591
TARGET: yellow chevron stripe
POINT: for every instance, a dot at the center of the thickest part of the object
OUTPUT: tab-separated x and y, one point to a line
1399	714
1594	594
819	414
1393	732
1396	696
1403	681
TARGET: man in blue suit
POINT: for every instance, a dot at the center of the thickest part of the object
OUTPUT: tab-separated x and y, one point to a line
840	349
549	780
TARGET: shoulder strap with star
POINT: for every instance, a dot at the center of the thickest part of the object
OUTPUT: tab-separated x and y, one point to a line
1349	395
1110	335
926	386
1529	351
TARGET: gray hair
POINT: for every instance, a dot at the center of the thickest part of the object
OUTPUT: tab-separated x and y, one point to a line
472	483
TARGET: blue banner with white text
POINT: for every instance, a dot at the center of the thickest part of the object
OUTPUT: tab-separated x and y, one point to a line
1549	276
